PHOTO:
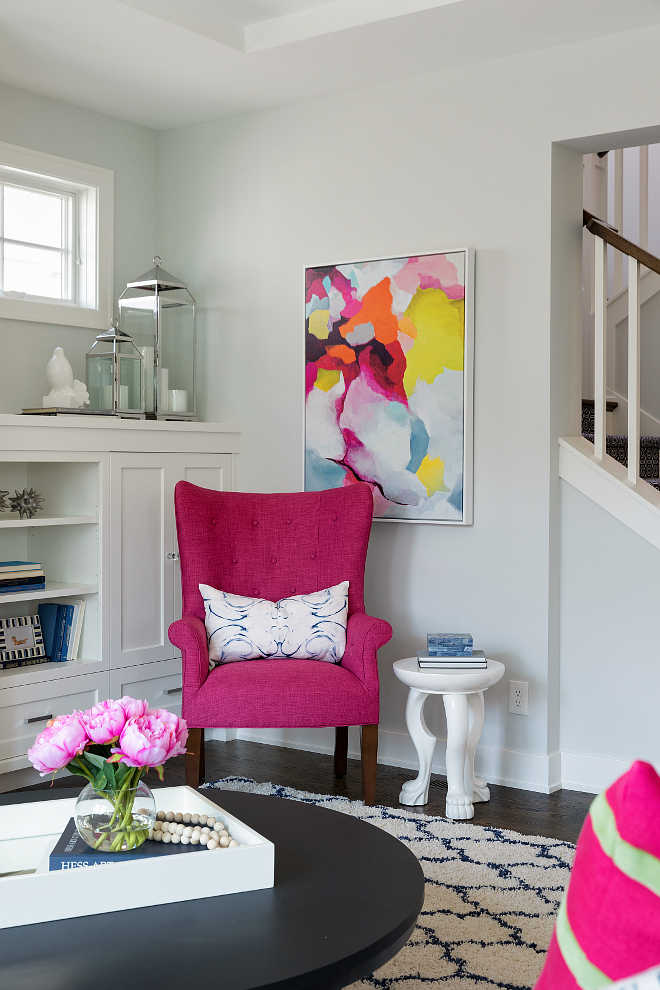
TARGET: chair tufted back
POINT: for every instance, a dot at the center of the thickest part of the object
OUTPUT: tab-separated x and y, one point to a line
272	546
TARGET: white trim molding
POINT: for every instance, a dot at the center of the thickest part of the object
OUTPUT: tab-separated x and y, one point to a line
94	232
606	483
508	768
525	771
591	774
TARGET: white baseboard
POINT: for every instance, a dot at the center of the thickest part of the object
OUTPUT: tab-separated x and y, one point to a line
525	771
510	768
590	773
220	735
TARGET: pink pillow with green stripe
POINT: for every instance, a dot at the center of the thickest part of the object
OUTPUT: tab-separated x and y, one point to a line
608	926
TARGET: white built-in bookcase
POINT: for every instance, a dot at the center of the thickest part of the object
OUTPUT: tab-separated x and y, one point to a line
106	534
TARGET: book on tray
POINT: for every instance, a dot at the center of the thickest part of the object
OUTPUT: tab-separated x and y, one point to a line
71	852
476	661
21	575
61	623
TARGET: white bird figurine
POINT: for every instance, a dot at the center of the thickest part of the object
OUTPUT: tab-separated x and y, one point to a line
66	392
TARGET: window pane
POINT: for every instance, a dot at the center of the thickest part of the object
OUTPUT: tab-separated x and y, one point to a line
33	270
33	216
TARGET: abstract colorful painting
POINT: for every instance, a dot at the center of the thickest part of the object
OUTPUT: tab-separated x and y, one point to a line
389	383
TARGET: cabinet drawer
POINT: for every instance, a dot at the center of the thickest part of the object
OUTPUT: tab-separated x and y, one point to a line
152	681
35	701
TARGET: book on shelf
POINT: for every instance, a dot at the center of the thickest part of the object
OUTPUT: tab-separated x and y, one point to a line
19	565
71	852
67	642
20	577
78	616
62	625
475	662
53	624
13	589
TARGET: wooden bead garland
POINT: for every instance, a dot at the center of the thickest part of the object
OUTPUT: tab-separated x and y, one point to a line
194	830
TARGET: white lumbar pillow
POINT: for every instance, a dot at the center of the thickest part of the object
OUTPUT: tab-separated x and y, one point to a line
309	627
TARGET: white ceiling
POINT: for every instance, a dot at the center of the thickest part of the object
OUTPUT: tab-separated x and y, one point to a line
167	63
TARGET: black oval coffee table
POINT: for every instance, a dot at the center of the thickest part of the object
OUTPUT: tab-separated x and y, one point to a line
346	899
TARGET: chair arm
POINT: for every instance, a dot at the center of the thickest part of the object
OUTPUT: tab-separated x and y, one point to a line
364	635
189	635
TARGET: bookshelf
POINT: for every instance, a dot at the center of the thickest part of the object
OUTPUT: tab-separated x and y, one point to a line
106	533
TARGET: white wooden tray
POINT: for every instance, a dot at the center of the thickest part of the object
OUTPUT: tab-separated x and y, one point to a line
29	831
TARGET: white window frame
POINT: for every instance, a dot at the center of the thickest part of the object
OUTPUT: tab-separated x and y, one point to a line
93	191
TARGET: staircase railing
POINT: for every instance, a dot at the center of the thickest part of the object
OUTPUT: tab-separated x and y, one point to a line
637	256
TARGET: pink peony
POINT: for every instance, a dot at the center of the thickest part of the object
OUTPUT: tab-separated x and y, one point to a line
132	707
104	721
58	744
178	726
149	740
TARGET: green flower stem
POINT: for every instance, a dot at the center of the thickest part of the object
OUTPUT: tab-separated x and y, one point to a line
83	769
122	815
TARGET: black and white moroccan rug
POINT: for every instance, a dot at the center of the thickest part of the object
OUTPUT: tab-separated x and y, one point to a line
491	897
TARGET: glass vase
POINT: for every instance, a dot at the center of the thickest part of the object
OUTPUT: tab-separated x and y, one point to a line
115	821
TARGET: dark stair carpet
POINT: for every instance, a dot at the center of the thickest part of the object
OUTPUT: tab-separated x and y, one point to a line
617	447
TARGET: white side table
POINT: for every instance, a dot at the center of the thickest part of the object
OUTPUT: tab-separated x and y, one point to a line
463	695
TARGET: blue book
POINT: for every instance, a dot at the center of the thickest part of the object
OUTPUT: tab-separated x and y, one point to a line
58	636
14	588
48	616
68	621
19	565
449	644
71	852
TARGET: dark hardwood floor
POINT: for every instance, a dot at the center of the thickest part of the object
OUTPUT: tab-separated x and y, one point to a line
558	816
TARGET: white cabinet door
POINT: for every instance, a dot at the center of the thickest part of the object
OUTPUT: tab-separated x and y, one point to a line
145	584
206	470
159	683
141	574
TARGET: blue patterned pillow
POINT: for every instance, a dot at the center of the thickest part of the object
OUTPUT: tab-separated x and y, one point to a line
309	627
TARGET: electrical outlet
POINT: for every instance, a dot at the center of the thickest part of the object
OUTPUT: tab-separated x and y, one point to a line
518	696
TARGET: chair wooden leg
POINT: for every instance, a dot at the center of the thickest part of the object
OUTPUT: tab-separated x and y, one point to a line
341	750
369	753
195	757
202	757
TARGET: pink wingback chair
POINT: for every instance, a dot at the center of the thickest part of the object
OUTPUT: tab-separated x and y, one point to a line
273	546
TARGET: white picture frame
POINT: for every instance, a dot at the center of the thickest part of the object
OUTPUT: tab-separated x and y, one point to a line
359	415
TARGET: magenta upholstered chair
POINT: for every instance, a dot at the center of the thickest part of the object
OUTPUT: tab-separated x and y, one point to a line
273	546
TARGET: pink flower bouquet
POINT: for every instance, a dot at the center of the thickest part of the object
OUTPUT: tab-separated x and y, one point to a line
112	745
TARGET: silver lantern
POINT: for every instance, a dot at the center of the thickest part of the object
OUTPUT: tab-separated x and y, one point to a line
158	311
114	373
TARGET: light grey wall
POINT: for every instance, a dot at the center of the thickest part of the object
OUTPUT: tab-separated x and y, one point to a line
610	635
443	161
131	151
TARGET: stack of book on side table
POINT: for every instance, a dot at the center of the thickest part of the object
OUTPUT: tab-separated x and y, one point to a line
451	651
21	575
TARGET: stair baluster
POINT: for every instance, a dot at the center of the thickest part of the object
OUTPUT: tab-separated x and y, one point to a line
634	316
600	329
